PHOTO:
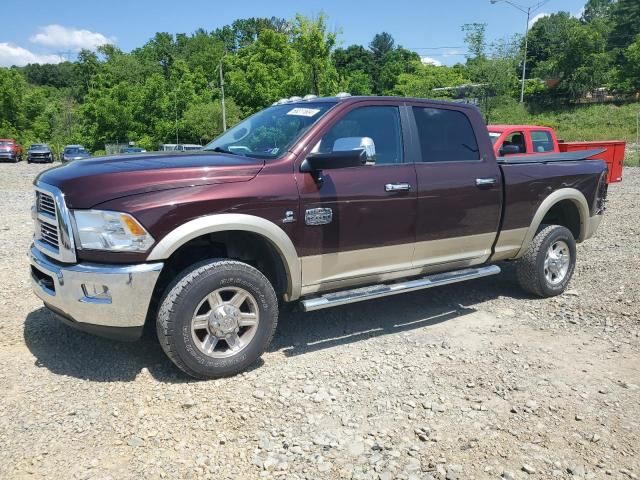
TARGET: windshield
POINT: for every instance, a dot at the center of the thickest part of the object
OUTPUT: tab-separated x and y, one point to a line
270	132
37	145
75	150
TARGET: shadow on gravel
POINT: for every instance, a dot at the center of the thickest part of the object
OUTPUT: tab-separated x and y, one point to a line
299	333
66	351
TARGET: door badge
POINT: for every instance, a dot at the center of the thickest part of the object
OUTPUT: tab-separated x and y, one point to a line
318	216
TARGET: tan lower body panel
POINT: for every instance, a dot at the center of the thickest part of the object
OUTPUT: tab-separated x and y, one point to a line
374	265
509	243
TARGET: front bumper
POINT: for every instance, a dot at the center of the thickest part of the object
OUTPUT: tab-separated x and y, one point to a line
40	158
102	299
8	155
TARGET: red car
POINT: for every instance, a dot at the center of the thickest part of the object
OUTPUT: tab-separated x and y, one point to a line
10	150
533	139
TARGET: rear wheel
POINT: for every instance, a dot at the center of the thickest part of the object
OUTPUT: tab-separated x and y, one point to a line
548	264
217	318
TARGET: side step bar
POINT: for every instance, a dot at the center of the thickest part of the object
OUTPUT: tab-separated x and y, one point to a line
376	291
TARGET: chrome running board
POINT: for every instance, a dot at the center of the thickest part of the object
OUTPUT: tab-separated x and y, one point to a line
376	291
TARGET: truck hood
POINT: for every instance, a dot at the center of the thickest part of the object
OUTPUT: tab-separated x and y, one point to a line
88	182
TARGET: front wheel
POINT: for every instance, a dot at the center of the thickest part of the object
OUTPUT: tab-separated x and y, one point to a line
548	264
217	318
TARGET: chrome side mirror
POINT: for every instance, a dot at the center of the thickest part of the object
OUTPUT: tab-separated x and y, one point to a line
357	143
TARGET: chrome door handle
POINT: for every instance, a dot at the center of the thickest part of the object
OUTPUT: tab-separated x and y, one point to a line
486	182
397	187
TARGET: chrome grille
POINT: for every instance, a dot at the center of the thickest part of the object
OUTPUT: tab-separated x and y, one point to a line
53	233
46	204
49	234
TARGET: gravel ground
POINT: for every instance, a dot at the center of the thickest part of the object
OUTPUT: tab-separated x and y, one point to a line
468	381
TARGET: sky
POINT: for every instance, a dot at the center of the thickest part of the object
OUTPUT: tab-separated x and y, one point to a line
46	31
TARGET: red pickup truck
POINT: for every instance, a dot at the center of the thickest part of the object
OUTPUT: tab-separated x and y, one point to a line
10	149
534	139
322	201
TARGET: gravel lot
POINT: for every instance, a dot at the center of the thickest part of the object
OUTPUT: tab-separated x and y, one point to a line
468	381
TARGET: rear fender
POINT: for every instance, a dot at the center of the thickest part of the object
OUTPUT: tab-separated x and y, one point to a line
571	194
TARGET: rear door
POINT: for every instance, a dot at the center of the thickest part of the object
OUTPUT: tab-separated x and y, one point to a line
358	223
459	187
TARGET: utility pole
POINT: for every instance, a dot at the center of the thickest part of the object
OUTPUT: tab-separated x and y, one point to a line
224	111
528	10
175	104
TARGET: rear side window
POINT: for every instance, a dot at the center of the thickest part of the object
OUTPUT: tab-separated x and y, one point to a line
542	141
445	135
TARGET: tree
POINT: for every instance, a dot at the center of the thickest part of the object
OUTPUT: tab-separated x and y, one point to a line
382	44
203	121
265	71
315	44
426	78
625	15
571	52
597	10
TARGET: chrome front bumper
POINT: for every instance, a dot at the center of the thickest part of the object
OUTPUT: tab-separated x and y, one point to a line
90	294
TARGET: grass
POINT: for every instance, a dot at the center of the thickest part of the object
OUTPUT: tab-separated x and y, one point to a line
579	122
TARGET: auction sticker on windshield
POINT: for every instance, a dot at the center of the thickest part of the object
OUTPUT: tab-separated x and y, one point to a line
303	112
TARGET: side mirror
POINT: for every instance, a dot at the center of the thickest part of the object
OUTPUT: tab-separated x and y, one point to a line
509	150
317	162
356	143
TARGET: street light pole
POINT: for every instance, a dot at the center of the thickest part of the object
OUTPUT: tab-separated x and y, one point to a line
528	10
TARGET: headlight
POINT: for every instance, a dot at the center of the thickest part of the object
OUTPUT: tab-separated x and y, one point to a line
114	231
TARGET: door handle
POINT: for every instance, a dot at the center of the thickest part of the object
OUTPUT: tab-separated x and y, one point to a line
397	187
486	182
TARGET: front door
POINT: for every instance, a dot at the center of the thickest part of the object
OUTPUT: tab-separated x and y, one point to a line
459	189
358	223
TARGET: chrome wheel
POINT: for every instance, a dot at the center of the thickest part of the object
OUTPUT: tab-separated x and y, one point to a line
556	262
225	322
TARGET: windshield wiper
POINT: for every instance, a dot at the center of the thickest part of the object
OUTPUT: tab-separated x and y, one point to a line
220	150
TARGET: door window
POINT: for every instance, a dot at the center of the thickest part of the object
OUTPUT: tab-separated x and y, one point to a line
542	141
445	135
379	123
516	139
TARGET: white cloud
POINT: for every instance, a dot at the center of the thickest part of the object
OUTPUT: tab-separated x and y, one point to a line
14	55
62	37
537	17
430	61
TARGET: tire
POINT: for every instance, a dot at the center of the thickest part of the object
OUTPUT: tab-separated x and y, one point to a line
188	344
548	280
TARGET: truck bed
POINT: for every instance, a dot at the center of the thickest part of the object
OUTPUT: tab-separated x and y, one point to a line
550	157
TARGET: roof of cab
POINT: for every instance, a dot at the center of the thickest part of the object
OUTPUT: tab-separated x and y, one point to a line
502	128
360	98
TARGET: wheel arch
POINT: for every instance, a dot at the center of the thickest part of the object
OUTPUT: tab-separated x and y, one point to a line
569	200
224	222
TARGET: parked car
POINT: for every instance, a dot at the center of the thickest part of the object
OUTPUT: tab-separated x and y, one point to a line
39	152
132	150
74	152
10	150
323	202
181	147
188	147
534	139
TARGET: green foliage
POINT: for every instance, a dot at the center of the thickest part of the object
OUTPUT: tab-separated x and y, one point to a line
170	86
427	77
314	45
265	71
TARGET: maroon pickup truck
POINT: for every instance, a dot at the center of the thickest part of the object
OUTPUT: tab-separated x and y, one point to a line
321	201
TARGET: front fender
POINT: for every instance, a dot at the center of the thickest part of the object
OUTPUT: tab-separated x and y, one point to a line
238	222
